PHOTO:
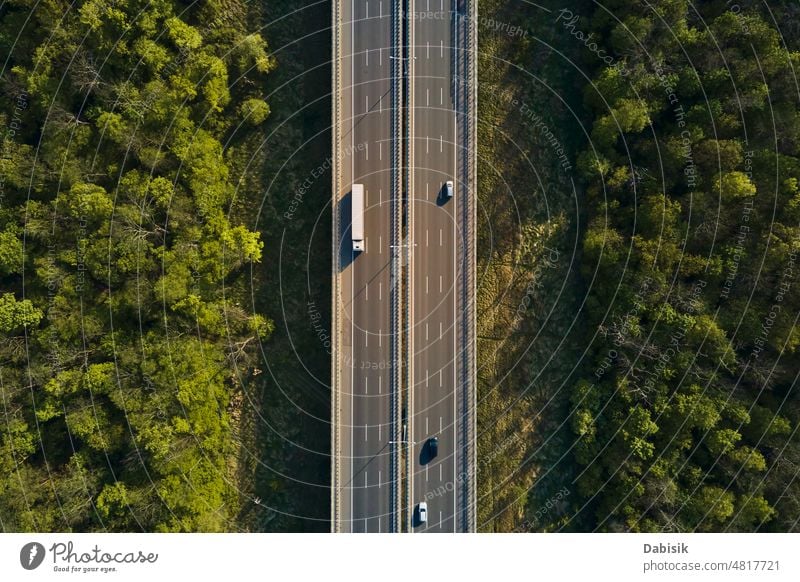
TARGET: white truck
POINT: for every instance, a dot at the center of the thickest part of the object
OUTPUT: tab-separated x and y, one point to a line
357	222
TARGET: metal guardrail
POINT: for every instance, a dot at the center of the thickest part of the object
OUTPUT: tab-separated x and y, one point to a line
336	377
467	91
397	332
409	250
471	263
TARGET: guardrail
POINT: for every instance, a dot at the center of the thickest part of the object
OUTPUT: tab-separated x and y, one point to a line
409	250
336	132
471	263
467	90
396	209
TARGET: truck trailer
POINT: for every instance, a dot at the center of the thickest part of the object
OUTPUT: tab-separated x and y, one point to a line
357	221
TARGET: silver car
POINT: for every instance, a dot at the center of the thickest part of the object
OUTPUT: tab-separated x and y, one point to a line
448	188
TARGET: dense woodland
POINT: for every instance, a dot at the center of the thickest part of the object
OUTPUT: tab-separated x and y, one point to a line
120	327
687	417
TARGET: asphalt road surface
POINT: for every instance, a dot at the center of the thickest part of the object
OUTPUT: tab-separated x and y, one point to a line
440	402
435	234
365	347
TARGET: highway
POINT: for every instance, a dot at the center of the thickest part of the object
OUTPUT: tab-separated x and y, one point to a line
403	367
433	267
366	357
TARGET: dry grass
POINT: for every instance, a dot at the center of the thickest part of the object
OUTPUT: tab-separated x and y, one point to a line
529	291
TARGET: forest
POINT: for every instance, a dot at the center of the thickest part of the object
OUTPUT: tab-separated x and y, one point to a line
686	418
122	323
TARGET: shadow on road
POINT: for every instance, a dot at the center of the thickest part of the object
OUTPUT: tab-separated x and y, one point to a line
346	254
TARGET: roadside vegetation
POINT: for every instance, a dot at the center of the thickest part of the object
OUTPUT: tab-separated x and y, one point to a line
638	350
530	334
286	463
687	419
126	332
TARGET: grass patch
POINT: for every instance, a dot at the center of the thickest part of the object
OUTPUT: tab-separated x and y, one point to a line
529	291
285	460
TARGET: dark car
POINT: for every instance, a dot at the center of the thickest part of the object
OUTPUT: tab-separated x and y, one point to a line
433	447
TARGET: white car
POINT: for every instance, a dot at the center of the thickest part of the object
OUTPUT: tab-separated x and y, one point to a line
422	512
448	188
